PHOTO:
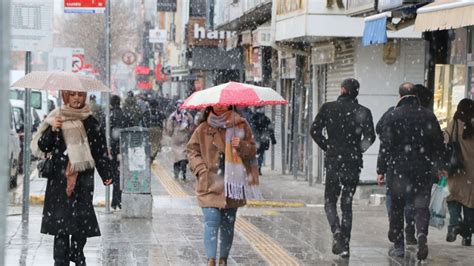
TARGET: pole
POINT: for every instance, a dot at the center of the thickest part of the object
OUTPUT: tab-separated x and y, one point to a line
26	145
4	118
107	96
296	116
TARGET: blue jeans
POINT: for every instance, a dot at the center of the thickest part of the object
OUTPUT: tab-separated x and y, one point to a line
215	219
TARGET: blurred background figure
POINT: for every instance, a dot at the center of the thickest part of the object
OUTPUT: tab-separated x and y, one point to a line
132	112
156	121
117	122
179	127
96	110
461	185
264	133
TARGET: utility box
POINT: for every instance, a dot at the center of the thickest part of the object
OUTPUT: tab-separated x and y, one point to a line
135	173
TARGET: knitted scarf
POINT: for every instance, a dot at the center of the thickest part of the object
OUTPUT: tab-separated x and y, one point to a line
236	177
75	137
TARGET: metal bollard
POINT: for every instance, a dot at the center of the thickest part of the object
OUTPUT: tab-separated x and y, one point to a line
135	174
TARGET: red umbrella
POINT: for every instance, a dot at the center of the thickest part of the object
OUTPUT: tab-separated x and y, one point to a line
235	94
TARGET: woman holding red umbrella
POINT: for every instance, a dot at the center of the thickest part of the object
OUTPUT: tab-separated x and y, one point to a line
221	154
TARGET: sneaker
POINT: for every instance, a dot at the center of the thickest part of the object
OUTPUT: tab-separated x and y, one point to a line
337	245
396	252
452	234
422	253
466	242
410	240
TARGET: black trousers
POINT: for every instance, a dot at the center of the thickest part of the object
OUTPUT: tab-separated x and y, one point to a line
342	179
69	248
180	166
117	192
409	187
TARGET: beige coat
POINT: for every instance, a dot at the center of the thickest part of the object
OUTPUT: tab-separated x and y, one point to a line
461	186
203	155
179	137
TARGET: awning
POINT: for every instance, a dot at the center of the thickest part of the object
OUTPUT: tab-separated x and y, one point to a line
445	14
375	30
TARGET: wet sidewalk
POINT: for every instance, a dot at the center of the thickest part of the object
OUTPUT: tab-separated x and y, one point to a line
264	236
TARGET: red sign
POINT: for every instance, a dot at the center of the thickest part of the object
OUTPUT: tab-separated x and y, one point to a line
84	6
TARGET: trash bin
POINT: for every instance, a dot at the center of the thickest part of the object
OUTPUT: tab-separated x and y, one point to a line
135	174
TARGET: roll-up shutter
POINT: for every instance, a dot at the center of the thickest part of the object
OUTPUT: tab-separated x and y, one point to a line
342	68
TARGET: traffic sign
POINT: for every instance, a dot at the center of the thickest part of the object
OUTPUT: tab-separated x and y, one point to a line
129	58
77	59
32	25
84	6
60	59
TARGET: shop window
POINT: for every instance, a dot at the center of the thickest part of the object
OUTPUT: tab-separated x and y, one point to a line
450	88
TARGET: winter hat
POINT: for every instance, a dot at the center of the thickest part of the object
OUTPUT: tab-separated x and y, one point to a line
352	87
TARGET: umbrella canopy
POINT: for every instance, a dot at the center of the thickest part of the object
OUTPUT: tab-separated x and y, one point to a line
233	93
59	80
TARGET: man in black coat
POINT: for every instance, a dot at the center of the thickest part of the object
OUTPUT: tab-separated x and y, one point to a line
350	132
411	152
409	210
264	134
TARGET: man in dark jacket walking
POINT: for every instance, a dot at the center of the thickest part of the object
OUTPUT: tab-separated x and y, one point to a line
411	151
350	132
264	134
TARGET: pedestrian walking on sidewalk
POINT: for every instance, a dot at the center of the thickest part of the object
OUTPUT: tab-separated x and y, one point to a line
264	134
156	123
220	153
117	122
409	210
461	185
411	153
76	143
350	132
179	127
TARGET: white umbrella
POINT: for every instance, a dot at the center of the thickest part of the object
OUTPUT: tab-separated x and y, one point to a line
60	80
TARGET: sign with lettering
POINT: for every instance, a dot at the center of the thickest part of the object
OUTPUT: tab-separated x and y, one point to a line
199	35
166	5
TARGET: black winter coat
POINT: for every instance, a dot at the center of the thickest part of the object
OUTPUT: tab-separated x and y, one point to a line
349	127
74	215
117	122
411	139
263	130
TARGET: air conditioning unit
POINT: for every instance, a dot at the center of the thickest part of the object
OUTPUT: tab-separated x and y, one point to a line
234	2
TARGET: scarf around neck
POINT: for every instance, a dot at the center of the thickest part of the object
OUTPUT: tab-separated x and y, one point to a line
236	177
75	137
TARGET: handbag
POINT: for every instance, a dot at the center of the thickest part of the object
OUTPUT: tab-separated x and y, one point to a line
45	168
455	159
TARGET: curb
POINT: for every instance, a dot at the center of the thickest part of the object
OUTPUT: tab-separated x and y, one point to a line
275	204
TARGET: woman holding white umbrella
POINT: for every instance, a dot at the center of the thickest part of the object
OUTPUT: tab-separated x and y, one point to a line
74	143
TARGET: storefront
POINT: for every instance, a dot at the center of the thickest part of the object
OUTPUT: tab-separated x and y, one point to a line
454	81
447	27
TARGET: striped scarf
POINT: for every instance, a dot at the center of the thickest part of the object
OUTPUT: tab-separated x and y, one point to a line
236	177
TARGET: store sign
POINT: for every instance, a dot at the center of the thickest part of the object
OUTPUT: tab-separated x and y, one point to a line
84	6
323	55
166	5
60	59
157	36
31	25
199	35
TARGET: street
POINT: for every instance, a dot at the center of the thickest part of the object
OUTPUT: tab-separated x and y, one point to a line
264	235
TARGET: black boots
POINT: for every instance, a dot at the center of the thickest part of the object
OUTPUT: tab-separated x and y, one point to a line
452	233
